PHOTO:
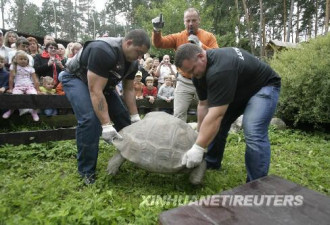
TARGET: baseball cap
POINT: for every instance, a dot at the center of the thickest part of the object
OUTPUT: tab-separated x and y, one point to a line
138	73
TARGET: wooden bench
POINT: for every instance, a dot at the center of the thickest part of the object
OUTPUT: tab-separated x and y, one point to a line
63	126
314	210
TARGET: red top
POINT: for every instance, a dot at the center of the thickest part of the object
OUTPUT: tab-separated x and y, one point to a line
147	92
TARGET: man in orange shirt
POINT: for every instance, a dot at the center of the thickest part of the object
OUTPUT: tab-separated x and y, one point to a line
185	90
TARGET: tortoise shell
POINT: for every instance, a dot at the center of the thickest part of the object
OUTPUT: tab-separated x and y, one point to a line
157	143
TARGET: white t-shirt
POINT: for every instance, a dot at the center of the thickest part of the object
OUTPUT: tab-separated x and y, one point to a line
4	51
23	77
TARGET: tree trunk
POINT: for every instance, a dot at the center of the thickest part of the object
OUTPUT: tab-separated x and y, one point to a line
264	36
316	17
247	19
238	21
326	20
2	13
298	18
284	20
290	22
309	31
261	29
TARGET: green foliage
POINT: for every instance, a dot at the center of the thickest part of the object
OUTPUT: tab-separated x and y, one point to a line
39	182
305	72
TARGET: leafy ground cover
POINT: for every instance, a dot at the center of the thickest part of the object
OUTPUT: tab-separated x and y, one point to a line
39	183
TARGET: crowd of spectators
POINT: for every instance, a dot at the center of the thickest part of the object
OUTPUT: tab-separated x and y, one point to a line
46	60
25	64
155	80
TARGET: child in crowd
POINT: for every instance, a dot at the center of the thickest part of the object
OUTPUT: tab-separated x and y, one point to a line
22	80
21	44
138	85
47	88
4	76
173	77
149	91
166	91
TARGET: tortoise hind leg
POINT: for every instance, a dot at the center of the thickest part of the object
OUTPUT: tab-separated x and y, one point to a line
114	163
197	174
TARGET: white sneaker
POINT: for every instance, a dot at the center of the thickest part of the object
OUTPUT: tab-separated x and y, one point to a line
24	111
7	114
35	115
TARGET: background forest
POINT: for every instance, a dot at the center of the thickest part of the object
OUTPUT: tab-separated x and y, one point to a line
249	24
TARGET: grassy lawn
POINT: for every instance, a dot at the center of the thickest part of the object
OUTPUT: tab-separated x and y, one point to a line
39	183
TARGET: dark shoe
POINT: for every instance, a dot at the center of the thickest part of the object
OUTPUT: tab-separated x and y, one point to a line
88	180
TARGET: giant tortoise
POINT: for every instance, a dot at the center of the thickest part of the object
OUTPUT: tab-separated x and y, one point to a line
157	143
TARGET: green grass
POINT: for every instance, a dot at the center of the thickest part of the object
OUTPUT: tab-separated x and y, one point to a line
39	182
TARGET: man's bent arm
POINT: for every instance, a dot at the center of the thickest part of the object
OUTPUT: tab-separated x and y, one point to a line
159	41
210	125
96	84
129	96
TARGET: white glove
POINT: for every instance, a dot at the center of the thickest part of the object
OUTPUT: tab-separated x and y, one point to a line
194	40
193	157
135	118
158	22
109	133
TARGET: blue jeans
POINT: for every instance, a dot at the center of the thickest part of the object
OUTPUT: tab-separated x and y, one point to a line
257	114
89	128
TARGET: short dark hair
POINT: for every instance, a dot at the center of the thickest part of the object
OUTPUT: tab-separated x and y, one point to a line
22	40
139	38
186	51
51	43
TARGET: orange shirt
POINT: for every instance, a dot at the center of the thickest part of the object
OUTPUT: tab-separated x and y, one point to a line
175	40
59	89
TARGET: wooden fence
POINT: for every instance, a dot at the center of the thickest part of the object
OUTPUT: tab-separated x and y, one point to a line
62	125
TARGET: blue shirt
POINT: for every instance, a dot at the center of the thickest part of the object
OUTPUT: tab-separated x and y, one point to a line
4	78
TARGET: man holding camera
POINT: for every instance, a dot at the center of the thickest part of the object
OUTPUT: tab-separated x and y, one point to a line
185	90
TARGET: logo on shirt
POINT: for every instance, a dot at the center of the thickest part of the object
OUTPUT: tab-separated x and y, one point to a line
239	53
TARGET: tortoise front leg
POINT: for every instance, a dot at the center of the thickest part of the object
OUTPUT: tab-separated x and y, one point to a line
197	174
114	163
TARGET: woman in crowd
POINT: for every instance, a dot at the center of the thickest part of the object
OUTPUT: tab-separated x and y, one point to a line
10	38
48	63
33	49
147	69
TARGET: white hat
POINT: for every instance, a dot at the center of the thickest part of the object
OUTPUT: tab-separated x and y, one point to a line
138	73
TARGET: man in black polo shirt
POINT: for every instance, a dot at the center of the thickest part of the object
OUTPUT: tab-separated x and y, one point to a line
89	84
230	82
